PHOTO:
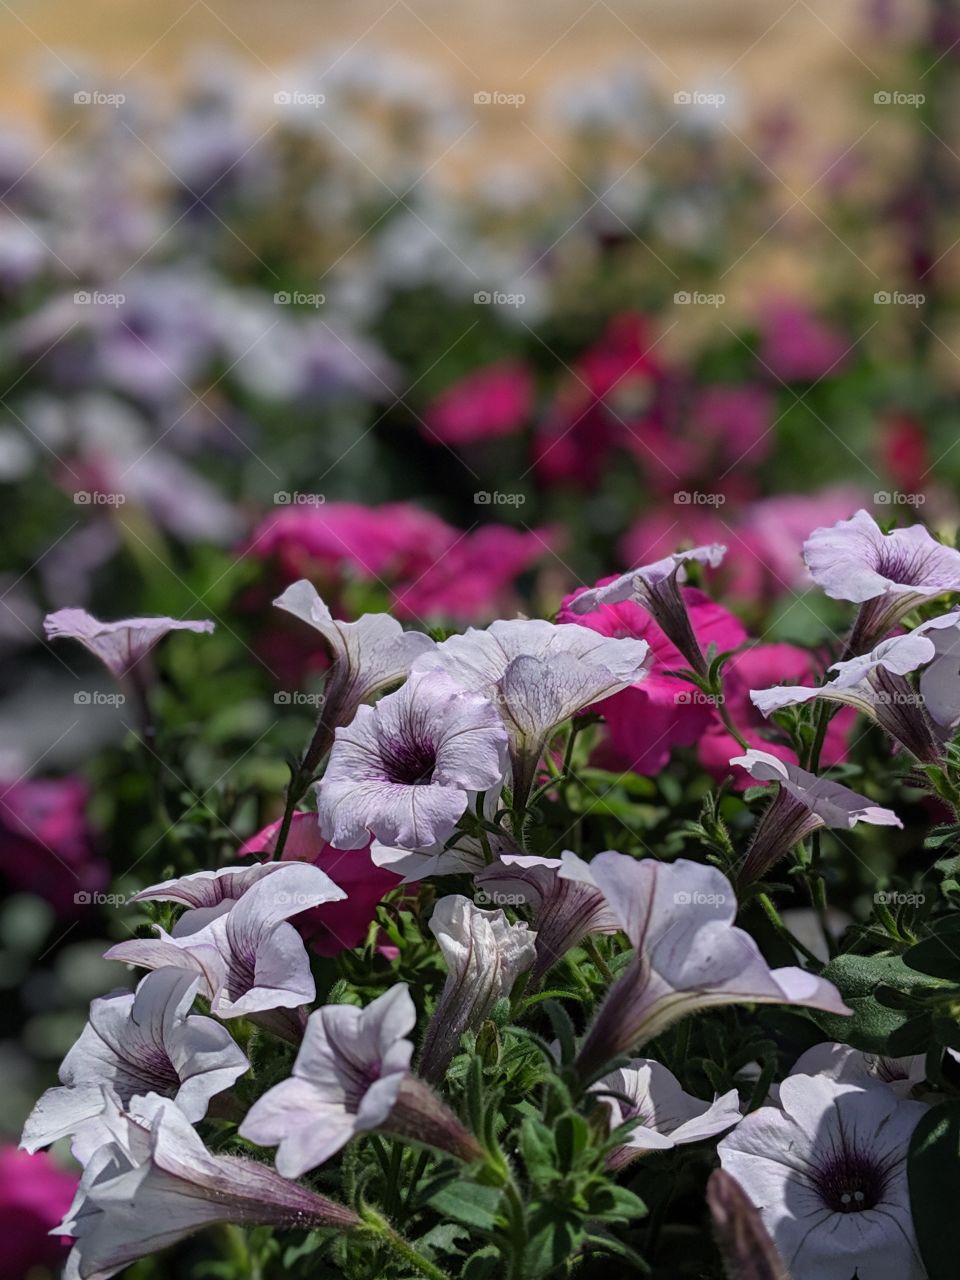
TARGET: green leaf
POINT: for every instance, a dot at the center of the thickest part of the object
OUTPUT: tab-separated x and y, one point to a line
873	987
469	1203
933	1172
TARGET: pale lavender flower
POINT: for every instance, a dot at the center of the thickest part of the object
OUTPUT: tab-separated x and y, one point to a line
803	804
539	674
202	889
563	912
875	684
746	1248
352	1075
155	1183
667	1116
484	954
251	960
368	656
827	1168
940	679
849	1066
689	955
656	588
118	645
404	770
887	574
138	1043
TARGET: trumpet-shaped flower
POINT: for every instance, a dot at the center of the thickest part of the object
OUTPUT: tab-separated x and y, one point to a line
540	674
156	1183
118	645
689	954
645	1091
802	805
887	574
249	958
403	770
138	1043
352	1075
563	912
849	1066
368	655
484	954
827	1168
657	588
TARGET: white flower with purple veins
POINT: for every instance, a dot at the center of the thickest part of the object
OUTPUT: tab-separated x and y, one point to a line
646	1092
859	1070
405	769
143	1042
155	1183
803	804
940	680
206	891
656	588
887	574
827	1168
352	1075
563	912
689	954
540	674
368	655
250	958
118	645
484	955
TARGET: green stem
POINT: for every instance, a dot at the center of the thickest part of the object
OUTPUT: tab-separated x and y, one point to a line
773	915
380	1227
593	951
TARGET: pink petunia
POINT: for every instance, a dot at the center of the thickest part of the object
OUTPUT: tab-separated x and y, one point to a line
335	926
487	404
797	346
35	1194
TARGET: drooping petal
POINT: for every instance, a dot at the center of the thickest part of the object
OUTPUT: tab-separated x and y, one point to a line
118	645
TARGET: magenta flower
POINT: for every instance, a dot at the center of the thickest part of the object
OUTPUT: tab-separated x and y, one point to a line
35	1193
827	1168
335	926
689	954
887	574
487	404
803	804
797	345
404	770
118	645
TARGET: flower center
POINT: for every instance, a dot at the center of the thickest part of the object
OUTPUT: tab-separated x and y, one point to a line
901	566
409	762
850	1181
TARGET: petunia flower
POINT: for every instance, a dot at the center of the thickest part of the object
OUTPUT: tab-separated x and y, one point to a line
487	404
657	588
138	1043
645	1091
118	645
404	769
368	656
250	959
539	674
563	912
887	574
875	684
688	954
803	804
743	1241
156	1183
484	954
352	1075
35	1193
849	1066
827	1169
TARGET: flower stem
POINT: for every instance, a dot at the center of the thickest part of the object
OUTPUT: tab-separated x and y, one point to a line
380	1227
773	915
